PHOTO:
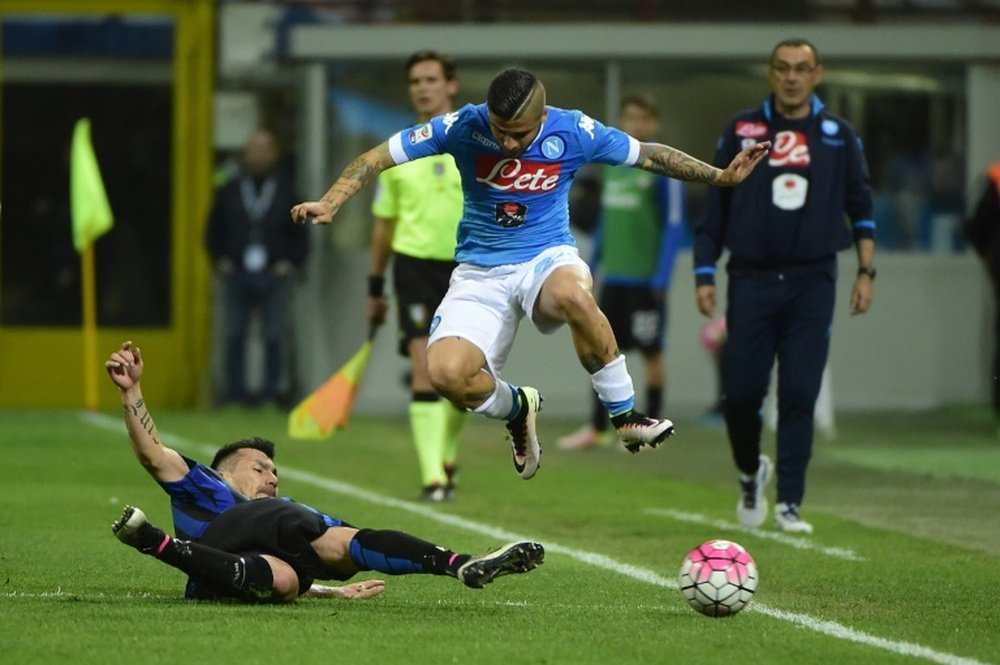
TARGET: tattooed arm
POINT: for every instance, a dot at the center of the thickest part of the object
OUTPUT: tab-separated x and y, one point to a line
357	174
125	369
673	163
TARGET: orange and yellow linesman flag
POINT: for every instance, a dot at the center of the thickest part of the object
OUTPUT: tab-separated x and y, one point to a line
89	205
328	408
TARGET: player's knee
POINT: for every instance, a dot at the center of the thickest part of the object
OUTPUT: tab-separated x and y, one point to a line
447	381
573	301
286	583
448	375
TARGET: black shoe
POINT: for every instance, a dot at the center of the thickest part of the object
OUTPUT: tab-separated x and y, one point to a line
521	557
133	529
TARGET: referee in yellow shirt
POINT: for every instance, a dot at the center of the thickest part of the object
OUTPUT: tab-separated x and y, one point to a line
417	209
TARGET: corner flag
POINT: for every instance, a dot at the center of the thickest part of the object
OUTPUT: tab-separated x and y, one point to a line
329	407
89	205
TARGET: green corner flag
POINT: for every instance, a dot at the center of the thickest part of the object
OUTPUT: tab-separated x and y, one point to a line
88	200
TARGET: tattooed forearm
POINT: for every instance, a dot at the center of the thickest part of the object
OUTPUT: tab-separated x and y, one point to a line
673	163
141	418
147	422
357	174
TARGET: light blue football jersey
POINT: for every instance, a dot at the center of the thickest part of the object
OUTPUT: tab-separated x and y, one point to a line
515	207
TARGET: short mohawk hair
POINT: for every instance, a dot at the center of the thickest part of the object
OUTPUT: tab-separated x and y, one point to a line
509	91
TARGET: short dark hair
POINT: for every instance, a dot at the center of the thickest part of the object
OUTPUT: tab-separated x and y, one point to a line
257	443
448	65
508	92
795	41
644	102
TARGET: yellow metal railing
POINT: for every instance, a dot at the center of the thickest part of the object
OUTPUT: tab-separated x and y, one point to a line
42	366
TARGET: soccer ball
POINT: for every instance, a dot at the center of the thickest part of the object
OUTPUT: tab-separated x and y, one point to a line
718	578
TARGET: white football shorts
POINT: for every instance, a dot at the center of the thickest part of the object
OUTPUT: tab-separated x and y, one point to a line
485	305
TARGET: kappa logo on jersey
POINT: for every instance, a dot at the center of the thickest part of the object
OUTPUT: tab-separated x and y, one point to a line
448	120
587	125
511	214
790	149
751	130
420	134
519	175
486	141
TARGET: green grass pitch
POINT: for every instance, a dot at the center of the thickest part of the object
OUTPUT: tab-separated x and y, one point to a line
903	567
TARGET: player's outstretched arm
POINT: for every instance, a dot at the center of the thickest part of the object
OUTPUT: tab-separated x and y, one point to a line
673	163
358	173
356	591
125	368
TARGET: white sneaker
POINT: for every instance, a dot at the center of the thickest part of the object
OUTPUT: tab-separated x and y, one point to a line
751	509
525	448
640	430
787	518
582	439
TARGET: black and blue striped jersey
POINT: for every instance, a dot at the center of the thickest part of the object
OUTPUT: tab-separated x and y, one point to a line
202	495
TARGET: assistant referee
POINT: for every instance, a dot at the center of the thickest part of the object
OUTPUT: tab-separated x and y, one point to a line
417	208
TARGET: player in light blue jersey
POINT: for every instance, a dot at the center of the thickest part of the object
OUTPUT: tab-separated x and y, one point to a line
517	157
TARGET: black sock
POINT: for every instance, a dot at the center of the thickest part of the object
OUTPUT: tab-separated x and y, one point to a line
654	402
247	575
398	553
621	418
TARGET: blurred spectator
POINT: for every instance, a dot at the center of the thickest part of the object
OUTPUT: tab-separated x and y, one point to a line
635	245
255	252
983	232
713	340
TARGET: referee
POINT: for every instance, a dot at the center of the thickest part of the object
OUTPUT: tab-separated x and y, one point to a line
417	209
783	228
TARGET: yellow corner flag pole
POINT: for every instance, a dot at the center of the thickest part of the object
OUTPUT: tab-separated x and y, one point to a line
92	218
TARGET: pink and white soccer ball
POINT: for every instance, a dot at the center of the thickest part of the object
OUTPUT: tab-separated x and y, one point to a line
718	578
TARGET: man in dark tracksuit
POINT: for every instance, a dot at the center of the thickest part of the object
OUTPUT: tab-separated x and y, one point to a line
255	252
983	232
783	228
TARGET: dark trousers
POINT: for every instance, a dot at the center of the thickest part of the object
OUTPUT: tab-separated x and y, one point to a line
785	316
244	293
994	270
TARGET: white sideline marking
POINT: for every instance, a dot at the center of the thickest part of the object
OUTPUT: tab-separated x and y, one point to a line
783	538
831	628
59	593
